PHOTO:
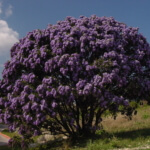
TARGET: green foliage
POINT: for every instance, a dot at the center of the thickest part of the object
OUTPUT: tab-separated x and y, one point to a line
17	142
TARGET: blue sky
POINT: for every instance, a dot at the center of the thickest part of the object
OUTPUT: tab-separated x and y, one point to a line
18	17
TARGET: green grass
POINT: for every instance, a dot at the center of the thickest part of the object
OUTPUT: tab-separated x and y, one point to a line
104	142
146	116
10	134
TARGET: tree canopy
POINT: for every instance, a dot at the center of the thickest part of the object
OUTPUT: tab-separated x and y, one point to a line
63	78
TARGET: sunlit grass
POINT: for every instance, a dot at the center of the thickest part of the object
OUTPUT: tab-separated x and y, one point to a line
10	134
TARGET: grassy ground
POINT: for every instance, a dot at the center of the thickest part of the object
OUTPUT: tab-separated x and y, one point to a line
10	134
123	133
119	133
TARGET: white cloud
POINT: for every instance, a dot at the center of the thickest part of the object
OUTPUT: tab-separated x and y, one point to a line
7	38
9	11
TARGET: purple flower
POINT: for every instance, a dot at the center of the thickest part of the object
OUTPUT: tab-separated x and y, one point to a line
54	92
54	104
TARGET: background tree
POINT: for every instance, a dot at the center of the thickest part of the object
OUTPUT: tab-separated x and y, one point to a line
65	77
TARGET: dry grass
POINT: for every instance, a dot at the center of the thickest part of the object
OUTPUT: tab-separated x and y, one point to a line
123	123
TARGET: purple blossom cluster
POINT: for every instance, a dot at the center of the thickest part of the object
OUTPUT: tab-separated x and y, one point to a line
74	70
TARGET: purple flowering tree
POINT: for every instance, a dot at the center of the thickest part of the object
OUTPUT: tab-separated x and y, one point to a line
63	78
